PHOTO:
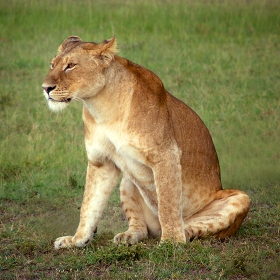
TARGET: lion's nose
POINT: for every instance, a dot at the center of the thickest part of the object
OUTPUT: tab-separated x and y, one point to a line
48	89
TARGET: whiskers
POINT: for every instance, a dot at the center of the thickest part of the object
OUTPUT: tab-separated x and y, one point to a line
77	99
64	96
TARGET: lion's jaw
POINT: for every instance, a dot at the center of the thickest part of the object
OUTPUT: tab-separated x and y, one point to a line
55	104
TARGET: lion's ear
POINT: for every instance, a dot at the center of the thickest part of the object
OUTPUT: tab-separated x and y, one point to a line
104	52
107	50
109	45
69	41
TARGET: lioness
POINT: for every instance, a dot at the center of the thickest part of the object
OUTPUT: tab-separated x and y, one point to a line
171	185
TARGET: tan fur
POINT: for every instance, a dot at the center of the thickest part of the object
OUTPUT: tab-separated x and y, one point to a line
171	184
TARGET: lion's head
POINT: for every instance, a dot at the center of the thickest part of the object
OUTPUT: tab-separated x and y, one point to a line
76	72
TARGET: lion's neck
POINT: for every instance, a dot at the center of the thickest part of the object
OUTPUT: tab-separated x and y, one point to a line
111	102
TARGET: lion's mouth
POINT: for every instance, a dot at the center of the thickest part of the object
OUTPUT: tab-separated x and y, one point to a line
65	100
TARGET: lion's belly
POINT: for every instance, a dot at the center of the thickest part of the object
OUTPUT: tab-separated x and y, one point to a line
132	162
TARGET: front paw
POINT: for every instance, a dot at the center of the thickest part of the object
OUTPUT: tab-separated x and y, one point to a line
176	237
70	241
129	237
64	242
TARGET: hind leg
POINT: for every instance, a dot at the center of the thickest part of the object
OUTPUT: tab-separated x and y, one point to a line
222	217
140	217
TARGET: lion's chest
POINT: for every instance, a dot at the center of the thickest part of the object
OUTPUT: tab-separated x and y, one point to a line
116	147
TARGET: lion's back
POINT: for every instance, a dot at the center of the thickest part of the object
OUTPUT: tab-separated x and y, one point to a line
199	158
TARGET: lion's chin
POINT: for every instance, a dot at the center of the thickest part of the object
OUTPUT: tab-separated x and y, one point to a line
57	106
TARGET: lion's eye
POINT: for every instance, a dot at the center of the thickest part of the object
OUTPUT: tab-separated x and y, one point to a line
51	66
70	66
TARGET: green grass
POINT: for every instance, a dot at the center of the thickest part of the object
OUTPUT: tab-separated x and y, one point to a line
220	57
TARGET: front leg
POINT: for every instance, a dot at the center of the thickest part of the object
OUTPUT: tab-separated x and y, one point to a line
168	181
100	182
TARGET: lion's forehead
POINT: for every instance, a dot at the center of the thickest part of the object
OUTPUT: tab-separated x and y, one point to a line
61	59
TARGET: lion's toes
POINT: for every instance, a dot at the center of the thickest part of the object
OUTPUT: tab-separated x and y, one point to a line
125	238
64	242
71	241
128	237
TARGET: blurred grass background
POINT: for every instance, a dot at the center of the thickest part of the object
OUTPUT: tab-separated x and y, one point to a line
219	57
